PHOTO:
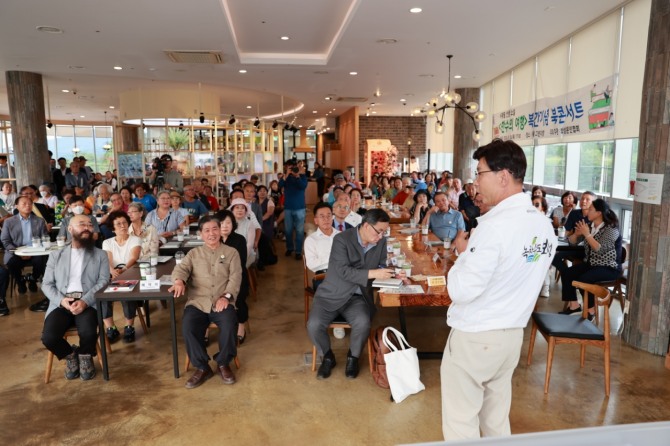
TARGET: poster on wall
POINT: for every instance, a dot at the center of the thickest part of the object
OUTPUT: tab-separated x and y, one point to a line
583	111
381	157
648	187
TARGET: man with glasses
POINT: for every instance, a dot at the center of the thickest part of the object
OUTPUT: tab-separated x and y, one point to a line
493	286
341	211
192	204
355	261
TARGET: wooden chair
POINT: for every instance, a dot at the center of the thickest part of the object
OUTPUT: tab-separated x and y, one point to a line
308	276
568	329
253	279
187	363
72	331
616	286
341	323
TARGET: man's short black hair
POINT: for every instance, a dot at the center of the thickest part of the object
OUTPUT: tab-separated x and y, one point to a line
75	198
374	216
321	205
503	155
3	157
61	158
206	219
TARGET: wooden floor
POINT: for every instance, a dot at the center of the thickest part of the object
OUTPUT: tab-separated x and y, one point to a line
277	399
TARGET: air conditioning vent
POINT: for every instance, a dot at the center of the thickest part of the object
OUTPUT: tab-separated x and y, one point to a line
205	57
351	99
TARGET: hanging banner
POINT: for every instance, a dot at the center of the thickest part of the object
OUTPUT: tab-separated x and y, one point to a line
582	111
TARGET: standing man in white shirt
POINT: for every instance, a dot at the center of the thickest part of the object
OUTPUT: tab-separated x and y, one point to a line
513	245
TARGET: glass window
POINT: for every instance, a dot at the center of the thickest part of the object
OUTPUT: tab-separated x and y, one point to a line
530	158
554	170
596	165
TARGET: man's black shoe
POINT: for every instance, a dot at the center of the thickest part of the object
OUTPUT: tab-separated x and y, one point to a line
32	286
288	253
351	370
4	310
298	256
22	287
41	306
326	365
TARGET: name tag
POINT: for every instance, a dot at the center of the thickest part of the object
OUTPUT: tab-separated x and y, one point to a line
150	285
436	281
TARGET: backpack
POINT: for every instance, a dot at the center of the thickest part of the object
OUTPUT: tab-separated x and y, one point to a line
378	351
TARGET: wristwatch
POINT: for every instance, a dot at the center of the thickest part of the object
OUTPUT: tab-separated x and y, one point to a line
228	296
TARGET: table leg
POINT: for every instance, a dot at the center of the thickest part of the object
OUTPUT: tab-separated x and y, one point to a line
173	327
403	322
103	346
147	314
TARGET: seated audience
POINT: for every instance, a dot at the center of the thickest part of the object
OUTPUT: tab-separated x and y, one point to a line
420	207
76	207
247	227
211	199
73	275
356	196
347	290
193	204
164	218
127	197
46	197
319	242
141	196
602	254
584	203
139	228
214	275
239	242
560	213
268	212
444	221
18	231
123	251
341	212
466	205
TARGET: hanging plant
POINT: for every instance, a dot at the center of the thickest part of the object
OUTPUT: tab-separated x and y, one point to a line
177	138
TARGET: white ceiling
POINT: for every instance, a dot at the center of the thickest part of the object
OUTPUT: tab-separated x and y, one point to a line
328	40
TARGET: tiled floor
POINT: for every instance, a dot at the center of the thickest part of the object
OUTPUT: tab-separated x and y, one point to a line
277	399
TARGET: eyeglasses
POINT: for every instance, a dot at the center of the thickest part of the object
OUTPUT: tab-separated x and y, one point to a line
537	205
379	233
477	173
339	206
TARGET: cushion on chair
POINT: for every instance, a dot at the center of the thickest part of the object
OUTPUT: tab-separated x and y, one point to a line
567	326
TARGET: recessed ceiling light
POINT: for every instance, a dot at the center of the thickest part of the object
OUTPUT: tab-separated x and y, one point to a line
284	37
426	75
112	107
248	106
152	69
82	116
353	73
314	111
403	100
374	112
415	10
49	29
321	72
118	68
328	98
387	41
65	91
457	76
242	71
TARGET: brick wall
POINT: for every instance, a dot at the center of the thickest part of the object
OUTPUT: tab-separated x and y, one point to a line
397	129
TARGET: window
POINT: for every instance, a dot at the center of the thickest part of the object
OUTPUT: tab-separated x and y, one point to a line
530	158
596	165
554	161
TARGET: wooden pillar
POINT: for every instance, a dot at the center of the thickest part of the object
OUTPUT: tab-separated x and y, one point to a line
649	270
129	139
464	145
25	96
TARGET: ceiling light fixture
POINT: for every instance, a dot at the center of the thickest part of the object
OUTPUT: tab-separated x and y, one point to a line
107	146
242	71
353	73
181	125
75	149
415	10
452	100
118	68
112	107
286	126
284	37
232	120
65	90
202	118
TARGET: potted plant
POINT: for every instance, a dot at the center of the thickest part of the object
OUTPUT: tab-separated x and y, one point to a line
177	138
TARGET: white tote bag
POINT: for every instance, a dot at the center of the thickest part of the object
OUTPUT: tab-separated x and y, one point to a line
402	367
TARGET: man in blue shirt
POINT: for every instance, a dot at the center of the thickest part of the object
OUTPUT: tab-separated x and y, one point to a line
194	206
444	222
148	201
294	209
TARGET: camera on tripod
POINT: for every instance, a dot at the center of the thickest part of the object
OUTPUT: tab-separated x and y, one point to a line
158	166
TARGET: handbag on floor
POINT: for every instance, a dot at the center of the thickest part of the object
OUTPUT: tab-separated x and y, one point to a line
402	366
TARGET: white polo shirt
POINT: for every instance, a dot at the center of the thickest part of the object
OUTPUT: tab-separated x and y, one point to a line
494	284
317	249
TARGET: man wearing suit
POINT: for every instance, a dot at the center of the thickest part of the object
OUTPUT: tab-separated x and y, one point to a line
341	212
59	176
355	260
6	171
69	271
17	231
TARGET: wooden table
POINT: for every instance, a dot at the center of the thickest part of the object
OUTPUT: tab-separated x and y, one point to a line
183	247
419	251
162	294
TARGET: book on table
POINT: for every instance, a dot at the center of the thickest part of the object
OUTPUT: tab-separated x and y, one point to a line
121	286
387	283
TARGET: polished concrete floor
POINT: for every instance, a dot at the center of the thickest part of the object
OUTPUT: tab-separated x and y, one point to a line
277	399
